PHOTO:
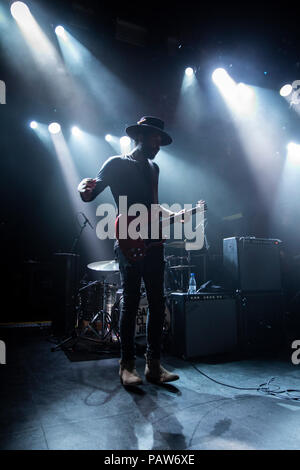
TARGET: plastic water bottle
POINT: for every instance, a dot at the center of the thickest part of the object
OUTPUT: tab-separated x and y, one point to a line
192	284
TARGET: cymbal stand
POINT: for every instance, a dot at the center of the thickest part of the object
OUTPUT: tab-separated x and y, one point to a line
100	337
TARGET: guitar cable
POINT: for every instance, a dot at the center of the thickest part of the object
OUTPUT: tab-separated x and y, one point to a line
265	388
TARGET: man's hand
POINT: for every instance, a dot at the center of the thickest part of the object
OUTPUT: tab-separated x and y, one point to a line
182	216
86	187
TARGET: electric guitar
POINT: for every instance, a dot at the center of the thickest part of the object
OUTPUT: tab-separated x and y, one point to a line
135	249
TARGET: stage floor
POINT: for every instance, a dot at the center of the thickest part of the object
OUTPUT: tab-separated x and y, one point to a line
49	402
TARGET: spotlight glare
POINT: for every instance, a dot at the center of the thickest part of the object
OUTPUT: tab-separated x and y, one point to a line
108	138
189	71
285	90
60	31
218	75
54	128
33	124
125	140
76	131
293	152
20	11
245	91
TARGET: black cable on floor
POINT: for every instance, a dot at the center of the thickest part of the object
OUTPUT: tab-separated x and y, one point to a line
285	394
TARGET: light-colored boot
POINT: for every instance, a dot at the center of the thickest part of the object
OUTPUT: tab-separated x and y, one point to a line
128	373
156	373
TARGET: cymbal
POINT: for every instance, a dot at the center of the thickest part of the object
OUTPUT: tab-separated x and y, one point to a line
111	266
182	266
178	244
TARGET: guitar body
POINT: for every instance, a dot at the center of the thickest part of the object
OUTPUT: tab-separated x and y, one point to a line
134	249
137	249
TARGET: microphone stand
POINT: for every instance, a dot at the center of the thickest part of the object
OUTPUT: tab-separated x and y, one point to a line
76	239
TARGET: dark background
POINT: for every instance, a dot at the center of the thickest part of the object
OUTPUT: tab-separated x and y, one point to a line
258	42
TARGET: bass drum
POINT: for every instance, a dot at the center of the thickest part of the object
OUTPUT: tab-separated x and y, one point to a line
142	313
167	321
141	318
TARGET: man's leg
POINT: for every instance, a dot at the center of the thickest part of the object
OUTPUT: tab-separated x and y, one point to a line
153	274
131	283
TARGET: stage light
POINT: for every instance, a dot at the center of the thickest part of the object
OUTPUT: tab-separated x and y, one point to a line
125	144
219	75
293	154
76	131
227	87
43	51
60	32
285	90
20	11
106	87
189	71
108	138
125	140
54	128
33	124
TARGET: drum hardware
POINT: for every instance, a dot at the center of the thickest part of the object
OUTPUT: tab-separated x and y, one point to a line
181	276
181	266
177	269
95	312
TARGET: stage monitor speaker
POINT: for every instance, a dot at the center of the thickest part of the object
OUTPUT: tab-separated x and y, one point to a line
65	289
260	321
252	264
203	324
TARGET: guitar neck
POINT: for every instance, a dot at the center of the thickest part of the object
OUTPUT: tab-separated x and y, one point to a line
192	211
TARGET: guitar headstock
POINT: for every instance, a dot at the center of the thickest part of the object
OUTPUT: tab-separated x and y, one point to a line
202	203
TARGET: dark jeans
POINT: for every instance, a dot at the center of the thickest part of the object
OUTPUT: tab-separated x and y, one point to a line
151	269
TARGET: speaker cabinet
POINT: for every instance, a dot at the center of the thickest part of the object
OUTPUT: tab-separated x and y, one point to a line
65	289
260	321
203	324
252	264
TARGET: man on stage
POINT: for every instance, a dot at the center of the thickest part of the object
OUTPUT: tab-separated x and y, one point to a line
136	176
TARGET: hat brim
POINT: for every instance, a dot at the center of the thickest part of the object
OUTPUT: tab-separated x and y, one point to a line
134	131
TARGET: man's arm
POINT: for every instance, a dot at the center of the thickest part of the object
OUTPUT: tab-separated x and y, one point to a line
85	188
165	212
89	188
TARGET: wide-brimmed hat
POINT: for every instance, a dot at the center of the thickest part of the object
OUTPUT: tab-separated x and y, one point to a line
147	124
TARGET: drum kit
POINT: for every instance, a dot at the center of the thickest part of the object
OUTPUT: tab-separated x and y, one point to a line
98	302
98	305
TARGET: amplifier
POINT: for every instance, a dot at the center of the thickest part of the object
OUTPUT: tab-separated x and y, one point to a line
65	289
202	324
260	321
252	264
